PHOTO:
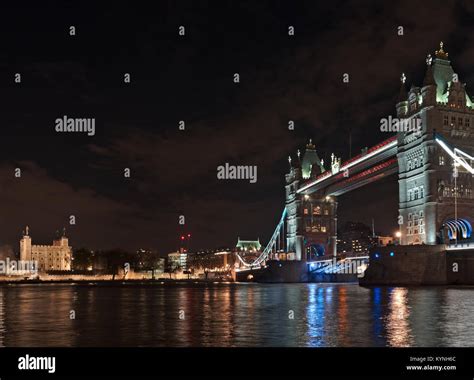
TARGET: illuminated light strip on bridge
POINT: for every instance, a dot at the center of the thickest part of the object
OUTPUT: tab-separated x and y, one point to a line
456	150
331	260
268	249
455	157
469	246
387	144
372	170
379	148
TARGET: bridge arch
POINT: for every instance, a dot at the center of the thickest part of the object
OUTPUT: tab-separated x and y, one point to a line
460	229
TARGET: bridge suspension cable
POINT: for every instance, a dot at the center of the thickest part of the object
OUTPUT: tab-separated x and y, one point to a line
273	243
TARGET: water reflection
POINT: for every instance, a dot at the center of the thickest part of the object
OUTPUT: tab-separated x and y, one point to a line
343	317
317	315
398	327
377	315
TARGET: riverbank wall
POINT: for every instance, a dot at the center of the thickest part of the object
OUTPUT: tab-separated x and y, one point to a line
419	265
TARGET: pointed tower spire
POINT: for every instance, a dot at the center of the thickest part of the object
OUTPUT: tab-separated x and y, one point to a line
428	92
297	161
429	78
402	101
441	54
402	96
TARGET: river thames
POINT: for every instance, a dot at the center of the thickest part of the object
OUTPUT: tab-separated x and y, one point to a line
235	315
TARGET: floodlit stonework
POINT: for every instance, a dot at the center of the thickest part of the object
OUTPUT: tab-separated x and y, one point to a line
427	178
55	257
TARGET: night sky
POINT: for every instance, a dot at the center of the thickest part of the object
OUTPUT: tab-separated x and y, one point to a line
190	78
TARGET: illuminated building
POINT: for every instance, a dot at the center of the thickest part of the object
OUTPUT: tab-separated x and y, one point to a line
436	188
248	245
177	260
310	219
214	260
355	238
56	257
426	175
383	241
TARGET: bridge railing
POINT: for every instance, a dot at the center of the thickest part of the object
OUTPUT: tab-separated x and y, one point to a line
460	246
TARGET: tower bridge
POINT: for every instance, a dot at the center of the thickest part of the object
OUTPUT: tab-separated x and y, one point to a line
434	166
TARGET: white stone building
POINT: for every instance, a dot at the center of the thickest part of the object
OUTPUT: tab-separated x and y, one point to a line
55	257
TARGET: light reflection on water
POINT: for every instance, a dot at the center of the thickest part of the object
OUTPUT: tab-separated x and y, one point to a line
318	315
398	327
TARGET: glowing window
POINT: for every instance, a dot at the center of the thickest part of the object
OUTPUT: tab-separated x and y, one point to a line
445	120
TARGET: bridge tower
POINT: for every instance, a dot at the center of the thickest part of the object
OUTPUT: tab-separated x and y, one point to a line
427	178
311	219
294	226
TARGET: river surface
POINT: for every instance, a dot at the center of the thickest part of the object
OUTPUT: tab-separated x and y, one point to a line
316	315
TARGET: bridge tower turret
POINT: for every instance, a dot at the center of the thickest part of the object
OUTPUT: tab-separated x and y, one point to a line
294	223
25	246
311	218
311	163
431	189
428	91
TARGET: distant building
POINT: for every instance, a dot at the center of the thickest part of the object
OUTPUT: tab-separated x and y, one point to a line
98	262
248	245
355	238
248	249
148	259
177	260
383	241
49	257
215	260
159	265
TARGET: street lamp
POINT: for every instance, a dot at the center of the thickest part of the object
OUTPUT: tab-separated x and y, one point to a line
398	234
